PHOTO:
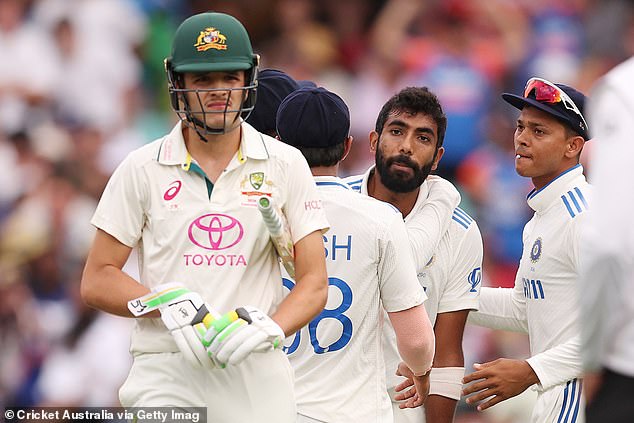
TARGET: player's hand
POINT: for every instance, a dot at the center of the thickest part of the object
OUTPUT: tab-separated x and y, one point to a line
252	331
418	386
183	313
497	381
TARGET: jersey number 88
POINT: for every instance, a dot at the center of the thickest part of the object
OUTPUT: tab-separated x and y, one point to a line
336	313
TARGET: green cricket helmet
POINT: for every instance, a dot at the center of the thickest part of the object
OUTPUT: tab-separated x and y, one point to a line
210	42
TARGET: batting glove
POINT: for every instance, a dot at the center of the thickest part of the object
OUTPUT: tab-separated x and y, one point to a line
253	331
187	316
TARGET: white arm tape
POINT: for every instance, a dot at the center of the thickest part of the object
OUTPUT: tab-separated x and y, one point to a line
446	382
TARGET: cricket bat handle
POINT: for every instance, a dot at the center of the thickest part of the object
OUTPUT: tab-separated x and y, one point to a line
280	234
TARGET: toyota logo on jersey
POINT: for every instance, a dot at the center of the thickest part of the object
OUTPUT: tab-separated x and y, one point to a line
215	232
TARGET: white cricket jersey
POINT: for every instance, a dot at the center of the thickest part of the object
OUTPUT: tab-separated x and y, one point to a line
451	278
209	237
340	375
608	307
544	299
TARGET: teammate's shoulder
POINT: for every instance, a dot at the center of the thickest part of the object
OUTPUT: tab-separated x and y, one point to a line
367	208
354	182
576	200
462	220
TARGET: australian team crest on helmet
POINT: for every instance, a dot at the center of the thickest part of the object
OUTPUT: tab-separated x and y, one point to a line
536	251
210	38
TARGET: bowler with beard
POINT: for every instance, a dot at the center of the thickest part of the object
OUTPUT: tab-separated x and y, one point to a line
407	143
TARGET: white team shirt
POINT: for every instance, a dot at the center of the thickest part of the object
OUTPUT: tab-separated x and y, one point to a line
607	308
209	237
544	299
451	278
339	371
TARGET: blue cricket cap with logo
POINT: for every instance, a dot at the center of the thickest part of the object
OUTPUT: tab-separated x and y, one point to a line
273	87
313	117
561	101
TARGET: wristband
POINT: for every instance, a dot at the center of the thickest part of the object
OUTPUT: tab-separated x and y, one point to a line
446	382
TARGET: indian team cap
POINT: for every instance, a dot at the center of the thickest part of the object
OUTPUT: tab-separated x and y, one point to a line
561	101
273	87
210	42
313	118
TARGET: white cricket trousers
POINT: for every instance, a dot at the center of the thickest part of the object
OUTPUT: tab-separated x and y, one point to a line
260	389
562	403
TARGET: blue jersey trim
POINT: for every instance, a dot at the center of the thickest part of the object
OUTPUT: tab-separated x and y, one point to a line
355	182
463	214
462	217
574	415
570	402
581	197
535	192
572	214
328	183
574	201
466	226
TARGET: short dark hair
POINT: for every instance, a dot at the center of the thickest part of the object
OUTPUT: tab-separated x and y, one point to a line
415	100
323	156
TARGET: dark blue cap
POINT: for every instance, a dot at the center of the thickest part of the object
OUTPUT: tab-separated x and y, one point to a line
313	118
273	87
558	110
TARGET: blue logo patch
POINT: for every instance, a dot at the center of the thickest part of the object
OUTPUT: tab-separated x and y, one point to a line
475	278
536	251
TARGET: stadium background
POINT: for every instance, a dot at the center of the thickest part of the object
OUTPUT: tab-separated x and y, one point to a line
82	84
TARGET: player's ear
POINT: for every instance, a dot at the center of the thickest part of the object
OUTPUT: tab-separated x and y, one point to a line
437	157
574	146
347	146
374	141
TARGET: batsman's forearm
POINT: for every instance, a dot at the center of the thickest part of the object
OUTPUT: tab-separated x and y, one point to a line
305	301
109	289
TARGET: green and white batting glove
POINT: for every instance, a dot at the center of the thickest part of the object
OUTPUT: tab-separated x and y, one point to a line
253	331
188	317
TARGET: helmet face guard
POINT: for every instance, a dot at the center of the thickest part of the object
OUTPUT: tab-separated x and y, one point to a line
211	42
197	120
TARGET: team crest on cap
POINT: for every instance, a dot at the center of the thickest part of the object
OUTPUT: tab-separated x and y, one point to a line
536	251
256	179
210	38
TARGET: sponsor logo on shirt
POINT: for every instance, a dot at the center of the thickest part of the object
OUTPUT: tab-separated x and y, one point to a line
312	205
536	251
215	231
172	191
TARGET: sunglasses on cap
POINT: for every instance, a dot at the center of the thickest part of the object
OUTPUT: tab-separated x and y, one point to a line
547	92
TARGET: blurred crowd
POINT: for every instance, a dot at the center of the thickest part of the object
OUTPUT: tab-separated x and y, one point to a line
82	83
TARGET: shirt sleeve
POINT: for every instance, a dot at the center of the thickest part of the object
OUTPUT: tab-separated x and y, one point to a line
303	209
429	224
400	289
462	291
501	308
121	209
558	364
